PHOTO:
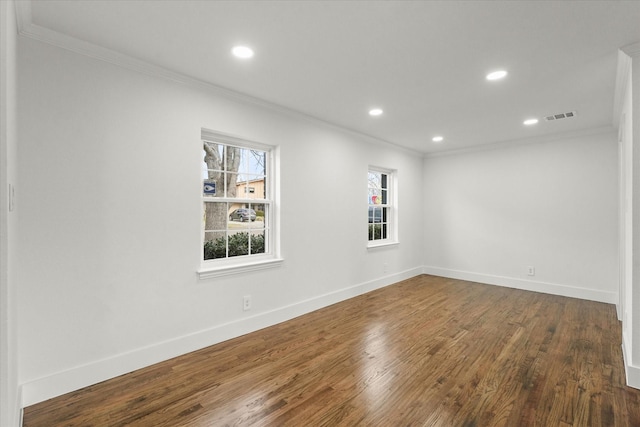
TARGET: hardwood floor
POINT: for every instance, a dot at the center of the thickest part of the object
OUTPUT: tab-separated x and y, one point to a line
427	351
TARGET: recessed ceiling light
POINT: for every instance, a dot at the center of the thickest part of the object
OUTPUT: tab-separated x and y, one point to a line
497	75
243	52
530	122
375	112
437	139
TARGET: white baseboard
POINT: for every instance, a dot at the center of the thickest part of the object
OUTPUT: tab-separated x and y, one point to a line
44	388
632	372
527	285
57	384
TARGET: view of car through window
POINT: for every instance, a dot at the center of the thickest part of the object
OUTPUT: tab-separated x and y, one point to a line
242	215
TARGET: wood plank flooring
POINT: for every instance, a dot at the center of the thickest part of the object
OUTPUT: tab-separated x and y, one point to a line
427	351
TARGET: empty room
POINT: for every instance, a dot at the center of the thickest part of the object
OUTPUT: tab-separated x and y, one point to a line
319	213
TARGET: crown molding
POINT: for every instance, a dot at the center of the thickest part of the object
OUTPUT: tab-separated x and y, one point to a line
28	29
526	141
23	14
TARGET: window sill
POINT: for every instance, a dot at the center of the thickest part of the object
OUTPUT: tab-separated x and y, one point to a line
382	244
227	270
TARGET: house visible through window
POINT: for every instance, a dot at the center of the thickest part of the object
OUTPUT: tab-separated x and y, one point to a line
237	199
380	199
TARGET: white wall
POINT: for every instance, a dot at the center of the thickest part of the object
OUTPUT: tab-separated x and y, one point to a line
9	388
108	231
109	225
626	209
635	132
629	90
551	205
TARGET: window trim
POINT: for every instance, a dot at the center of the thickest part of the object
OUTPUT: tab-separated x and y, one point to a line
383	244
392	208
236	268
271	258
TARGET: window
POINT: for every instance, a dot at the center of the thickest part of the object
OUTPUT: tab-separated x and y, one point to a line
381	207
238	204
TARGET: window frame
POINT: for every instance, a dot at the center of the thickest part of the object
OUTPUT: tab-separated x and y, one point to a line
271	257
391	206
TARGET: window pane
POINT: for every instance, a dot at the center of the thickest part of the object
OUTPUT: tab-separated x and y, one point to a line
377	188
257	242
261	212
375	180
253	188
257	214
214	167
375	214
213	156
215	216
238	243
232	158
235	227
212	183
232	185
375	196
375	232
215	244
258	162
241	188
252	162
379	201
240	213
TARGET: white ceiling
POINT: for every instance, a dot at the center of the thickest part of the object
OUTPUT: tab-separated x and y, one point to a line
424	63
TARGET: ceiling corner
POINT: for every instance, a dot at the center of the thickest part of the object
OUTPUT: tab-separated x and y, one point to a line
632	49
622	81
23	15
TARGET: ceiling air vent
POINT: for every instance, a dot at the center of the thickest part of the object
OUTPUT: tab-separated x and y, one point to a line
553	117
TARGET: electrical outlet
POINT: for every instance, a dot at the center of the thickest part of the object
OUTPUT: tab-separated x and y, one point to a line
531	271
246	302
385	267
